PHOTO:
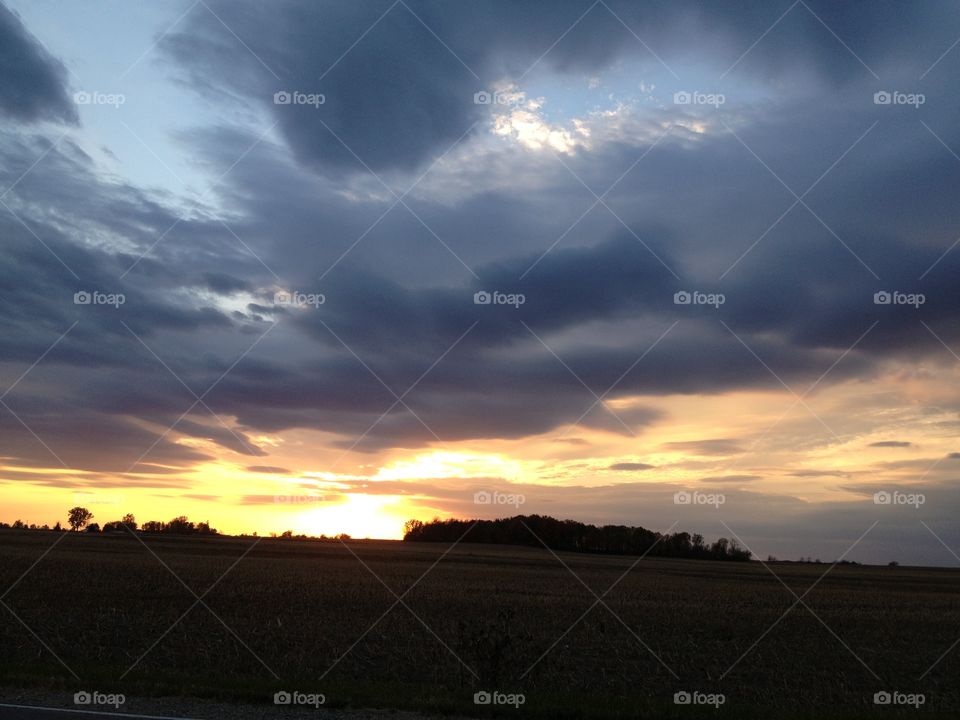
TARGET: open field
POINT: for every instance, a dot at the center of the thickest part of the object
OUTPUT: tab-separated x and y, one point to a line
316	618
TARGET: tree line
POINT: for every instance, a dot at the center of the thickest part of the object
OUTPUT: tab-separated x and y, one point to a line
573	536
78	518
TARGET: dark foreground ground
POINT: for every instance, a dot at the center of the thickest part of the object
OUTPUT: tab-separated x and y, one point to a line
402	626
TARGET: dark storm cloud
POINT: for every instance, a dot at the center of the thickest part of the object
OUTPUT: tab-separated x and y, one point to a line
399	81
32	83
70	437
892	444
598	300
225	284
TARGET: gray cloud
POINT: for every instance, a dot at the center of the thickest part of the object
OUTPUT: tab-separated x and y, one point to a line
719	446
32	82
630	466
308	211
399	82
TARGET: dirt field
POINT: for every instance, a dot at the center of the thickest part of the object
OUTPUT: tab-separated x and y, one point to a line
109	614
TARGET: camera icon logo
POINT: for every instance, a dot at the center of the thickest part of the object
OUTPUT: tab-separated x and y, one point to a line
882	97
482	98
682	97
682	497
482	497
682	698
282	97
82	298
82	98
282	298
482	698
82	698
482	298
882	298
682	298
882	698
282	698
882	498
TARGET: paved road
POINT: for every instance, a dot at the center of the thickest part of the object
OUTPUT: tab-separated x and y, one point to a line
198	710
28	712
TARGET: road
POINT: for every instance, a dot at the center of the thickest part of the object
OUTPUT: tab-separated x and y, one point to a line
198	710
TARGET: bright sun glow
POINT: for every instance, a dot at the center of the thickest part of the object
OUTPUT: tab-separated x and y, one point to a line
451	465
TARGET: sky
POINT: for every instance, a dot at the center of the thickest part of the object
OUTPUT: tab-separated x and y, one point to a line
328	266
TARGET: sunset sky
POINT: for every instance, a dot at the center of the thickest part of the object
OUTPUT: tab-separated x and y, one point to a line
300	343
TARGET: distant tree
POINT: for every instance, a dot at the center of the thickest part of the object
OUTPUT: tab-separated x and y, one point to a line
153	526
180	526
58	527
78	518
343	536
129	521
719	549
893	563
286	534
19	524
93	528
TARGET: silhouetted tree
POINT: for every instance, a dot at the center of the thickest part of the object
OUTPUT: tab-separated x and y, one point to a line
78	517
